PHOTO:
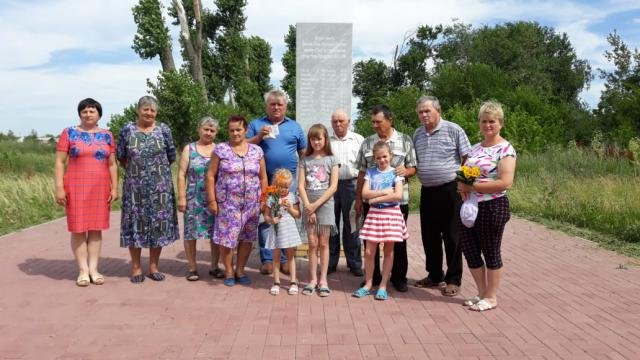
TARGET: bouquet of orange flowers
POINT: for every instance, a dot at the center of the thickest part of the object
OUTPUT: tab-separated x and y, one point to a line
271	197
467	174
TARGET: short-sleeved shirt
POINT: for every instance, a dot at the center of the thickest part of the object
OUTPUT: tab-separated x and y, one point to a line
402	152
439	153
318	171
382	179
281	152
346	151
487	159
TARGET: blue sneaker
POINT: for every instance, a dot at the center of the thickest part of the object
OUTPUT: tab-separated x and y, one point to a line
229	281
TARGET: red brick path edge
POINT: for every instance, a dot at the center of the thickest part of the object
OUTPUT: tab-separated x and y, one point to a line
561	298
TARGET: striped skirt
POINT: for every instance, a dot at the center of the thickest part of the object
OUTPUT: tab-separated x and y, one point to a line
384	225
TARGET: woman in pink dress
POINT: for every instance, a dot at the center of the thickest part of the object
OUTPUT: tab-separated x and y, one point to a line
87	188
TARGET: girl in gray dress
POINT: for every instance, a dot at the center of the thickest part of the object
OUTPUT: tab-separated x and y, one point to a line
317	182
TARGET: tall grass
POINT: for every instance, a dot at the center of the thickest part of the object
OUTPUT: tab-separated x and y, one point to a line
577	191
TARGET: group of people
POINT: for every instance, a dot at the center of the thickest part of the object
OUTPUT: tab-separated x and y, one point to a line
322	179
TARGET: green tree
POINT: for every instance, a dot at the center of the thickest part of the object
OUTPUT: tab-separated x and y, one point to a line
371	83
618	111
288	82
152	38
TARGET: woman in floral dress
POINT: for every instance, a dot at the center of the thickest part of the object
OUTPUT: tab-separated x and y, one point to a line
149	220
88	187
236	177
192	197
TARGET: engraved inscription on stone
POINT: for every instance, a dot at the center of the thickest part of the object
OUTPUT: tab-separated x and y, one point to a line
323	71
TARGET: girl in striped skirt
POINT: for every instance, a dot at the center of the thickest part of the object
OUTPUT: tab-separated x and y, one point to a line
384	222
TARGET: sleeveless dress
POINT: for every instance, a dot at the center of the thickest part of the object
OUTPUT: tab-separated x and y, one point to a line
149	218
198	220
87	181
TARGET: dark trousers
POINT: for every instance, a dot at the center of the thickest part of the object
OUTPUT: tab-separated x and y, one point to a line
439	214
400	260
343	199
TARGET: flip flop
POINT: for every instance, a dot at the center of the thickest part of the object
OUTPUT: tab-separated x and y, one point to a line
482	305
381	294
275	289
193	276
309	289
471	301
83	280
361	292
217	273
97	279
451	290
293	289
243	280
324	291
156	276
428	283
137	279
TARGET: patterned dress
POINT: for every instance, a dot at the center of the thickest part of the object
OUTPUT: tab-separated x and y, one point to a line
237	195
198	220
149	217
87	181
287	235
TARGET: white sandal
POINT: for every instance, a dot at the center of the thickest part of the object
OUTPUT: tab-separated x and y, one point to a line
472	301
482	305
293	289
275	289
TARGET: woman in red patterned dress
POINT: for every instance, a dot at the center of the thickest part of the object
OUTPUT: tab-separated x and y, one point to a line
88	187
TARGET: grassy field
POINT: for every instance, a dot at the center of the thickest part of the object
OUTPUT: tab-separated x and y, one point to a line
569	189
577	192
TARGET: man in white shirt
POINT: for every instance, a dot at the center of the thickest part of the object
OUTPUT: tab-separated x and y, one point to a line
345	145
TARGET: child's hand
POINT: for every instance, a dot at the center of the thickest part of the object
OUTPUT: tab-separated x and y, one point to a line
275	220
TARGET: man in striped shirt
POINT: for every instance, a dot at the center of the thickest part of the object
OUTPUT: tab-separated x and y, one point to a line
441	146
404	162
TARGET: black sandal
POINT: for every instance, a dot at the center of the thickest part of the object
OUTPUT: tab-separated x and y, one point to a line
193	276
156	276
217	273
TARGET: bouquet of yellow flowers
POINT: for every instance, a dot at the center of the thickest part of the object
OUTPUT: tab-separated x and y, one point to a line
467	174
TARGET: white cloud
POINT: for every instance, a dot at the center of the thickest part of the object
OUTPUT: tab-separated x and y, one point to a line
46	101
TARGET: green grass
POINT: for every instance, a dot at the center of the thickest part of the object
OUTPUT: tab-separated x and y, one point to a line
577	192
571	190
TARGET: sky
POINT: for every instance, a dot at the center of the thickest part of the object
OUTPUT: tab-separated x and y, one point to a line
57	52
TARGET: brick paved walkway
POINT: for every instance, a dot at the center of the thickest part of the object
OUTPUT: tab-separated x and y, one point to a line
561	298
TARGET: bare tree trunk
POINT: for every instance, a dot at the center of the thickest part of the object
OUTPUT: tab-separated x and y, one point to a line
192	46
166	59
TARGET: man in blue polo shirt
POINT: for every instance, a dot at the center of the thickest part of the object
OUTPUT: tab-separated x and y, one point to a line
282	141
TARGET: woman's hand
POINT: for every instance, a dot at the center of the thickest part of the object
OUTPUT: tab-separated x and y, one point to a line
312	218
182	204
113	196
213	207
464	190
310	209
61	197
